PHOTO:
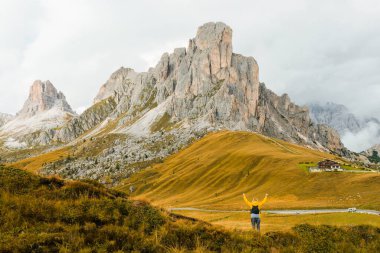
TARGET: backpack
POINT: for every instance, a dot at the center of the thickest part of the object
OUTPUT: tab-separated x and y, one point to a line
255	210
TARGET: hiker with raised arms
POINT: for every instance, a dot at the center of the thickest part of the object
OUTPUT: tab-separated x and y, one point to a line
255	206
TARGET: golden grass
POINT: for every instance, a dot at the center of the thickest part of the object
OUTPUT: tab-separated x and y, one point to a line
215	171
34	164
282	222
20	154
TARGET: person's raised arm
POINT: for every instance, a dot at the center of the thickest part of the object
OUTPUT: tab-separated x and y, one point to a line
246	200
264	200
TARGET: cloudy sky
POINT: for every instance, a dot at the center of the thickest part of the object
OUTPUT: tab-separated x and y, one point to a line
312	50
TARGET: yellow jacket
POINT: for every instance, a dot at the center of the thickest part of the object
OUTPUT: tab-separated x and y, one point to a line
255	203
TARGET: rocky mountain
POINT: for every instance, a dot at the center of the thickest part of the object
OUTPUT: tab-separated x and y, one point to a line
339	117
4	118
335	115
205	85
195	90
43	96
349	126
43	111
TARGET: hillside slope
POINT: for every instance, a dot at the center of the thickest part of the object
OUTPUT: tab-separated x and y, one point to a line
40	214
216	170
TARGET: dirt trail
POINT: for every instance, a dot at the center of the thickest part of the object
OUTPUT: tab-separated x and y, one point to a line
295	212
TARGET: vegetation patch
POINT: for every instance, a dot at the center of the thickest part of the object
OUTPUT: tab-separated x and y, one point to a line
35	163
374	158
162	123
306	165
51	215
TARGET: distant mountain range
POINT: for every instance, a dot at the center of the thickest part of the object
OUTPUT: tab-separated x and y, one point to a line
345	122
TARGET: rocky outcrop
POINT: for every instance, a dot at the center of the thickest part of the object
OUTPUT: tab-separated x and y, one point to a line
116	84
281	118
86	121
43	96
207	81
45	110
335	115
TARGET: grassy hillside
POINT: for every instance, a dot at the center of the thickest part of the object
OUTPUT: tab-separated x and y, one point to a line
216	170
51	215
35	163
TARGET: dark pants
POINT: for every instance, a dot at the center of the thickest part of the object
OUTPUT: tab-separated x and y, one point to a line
255	223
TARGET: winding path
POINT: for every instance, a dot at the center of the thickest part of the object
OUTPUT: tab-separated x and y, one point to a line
310	211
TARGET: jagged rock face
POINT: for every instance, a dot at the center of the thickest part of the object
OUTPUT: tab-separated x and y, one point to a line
43	111
86	121
281	118
43	96
115	84
328	138
4	118
204	85
336	116
207	81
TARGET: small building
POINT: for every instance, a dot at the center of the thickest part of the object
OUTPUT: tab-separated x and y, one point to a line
329	165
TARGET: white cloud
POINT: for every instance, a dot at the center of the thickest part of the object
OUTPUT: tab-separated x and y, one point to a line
81	109
152	57
364	139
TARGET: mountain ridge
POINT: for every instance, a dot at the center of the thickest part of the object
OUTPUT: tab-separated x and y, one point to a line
219	88
349	126
203	88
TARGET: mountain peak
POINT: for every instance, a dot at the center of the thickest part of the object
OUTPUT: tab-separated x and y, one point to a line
114	83
213	34
43	96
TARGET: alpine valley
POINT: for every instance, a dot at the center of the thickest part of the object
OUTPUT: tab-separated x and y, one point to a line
189	136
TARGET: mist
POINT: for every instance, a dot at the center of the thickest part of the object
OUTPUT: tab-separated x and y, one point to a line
364	139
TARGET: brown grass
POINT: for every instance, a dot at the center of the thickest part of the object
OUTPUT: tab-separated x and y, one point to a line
33	164
216	170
